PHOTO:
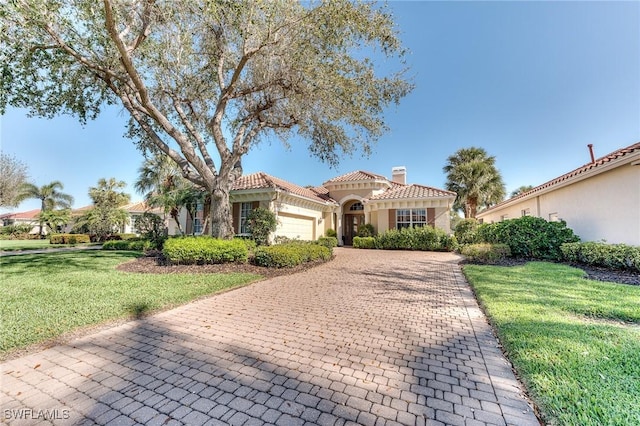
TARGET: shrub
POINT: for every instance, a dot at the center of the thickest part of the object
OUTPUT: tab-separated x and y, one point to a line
14	230
366	230
328	242
615	256
331	233
151	227
466	231
127	236
290	255
248	242
423	238
528	236
364	242
139	244
69	239
204	250
261	223
486	253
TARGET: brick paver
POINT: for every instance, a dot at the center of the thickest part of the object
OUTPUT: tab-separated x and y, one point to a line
371	338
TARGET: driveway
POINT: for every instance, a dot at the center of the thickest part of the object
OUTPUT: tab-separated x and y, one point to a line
371	338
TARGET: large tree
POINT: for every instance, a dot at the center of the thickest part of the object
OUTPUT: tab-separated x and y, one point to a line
520	190
472	174
106	216
13	174
205	80
50	195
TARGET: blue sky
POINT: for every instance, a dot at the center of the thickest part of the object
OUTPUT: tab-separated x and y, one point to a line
531	82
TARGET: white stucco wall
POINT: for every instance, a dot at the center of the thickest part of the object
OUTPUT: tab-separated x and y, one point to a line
602	207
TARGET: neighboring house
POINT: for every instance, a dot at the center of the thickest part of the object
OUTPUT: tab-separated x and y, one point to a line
343	203
599	201
23	218
134	209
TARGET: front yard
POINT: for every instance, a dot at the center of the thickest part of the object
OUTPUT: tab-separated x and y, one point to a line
575	343
47	295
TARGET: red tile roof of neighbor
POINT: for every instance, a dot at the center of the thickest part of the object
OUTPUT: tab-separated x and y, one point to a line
400	192
579	171
262	180
31	214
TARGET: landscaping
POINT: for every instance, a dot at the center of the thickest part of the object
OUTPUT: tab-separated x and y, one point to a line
16	245
48	295
574	342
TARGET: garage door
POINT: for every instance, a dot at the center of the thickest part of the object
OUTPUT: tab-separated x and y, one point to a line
296	227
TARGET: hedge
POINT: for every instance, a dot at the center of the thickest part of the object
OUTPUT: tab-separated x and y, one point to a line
615	256
329	242
204	250
486	253
528	236
290	255
423	238
69	239
130	244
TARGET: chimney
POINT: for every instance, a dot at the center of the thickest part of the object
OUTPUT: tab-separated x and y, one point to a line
399	175
593	158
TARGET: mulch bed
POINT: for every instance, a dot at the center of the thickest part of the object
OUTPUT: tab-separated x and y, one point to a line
156	264
591	272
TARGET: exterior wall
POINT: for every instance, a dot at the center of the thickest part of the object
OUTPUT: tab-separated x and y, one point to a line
602	207
287	212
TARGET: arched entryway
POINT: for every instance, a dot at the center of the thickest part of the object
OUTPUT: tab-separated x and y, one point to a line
353	218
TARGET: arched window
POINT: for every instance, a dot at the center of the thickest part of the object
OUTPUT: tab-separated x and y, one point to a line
356	207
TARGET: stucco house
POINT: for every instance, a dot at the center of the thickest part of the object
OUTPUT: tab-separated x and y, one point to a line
343	204
23	218
599	200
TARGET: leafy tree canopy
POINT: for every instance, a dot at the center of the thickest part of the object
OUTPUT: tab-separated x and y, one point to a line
13	174
106	217
204	81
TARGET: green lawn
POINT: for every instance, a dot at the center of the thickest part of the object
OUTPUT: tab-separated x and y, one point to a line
8	245
574	342
46	295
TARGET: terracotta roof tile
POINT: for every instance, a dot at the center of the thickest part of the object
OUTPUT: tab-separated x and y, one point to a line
262	180
399	191
580	170
356	176
28	215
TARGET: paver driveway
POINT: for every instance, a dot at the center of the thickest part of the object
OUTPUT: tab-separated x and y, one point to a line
372	338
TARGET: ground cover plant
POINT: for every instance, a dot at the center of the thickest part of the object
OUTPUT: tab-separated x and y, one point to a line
574	342
47	295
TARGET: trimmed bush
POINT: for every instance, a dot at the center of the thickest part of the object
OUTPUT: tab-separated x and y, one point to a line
139	244
69	239
204	250
261	223
529	237
614	256
364	242
466	231
423	238
331	233
366	230
486	253
290	255
329	242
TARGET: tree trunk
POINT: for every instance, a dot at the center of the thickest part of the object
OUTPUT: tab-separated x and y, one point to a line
221	219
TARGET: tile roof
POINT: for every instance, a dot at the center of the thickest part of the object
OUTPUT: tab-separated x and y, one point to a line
140	207
31	214
399	191
356	176
572	174
262	180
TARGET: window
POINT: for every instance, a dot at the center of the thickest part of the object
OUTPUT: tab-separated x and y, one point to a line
198	218
245	209
526	212
410	218
356	207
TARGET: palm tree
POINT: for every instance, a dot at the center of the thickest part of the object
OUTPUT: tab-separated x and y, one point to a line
472	174
50	196
521	190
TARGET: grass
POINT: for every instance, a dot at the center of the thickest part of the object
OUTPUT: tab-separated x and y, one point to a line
574	342
47	295
8	245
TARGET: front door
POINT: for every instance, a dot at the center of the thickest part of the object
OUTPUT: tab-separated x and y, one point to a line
351	224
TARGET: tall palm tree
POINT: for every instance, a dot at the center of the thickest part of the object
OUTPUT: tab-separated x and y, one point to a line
472	174
50	197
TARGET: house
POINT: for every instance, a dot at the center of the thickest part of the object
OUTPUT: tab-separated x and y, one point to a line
23	218
599	200
134	210
343	204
